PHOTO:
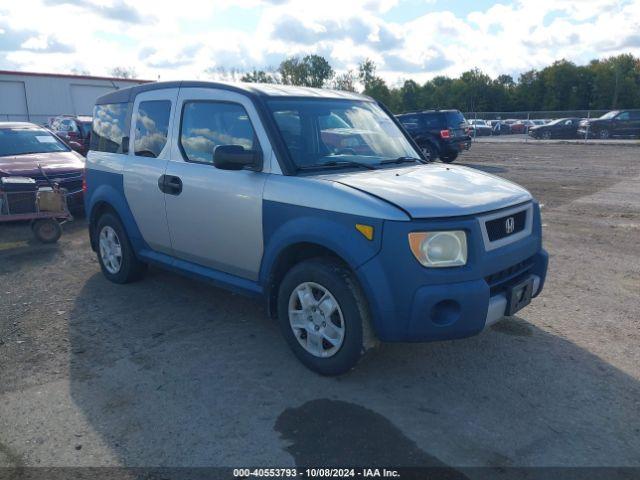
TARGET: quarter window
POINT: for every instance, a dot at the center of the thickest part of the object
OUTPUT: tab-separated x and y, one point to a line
110	121
206	125
152	128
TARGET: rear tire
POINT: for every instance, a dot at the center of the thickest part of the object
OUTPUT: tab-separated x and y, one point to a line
115	254
47	230
429	152
448	158
329	336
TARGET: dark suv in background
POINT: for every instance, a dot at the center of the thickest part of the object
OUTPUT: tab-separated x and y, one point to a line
74	130
440	134
617	123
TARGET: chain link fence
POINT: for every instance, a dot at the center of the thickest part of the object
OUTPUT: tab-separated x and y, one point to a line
519	123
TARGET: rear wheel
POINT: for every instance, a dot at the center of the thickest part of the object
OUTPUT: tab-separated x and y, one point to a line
429	152
323	316
449	157
47	230
115	254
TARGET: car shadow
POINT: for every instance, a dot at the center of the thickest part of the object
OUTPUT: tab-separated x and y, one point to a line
173	372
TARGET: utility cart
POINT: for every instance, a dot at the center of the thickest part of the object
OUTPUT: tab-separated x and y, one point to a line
21	199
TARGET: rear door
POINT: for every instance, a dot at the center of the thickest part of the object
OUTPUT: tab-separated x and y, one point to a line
149	151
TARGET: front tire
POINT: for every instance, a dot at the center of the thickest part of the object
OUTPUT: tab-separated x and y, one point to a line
604	134
115	254
546	135
323	316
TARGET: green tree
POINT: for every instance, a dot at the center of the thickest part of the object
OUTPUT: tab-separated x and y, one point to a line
310	71
258	76
345	81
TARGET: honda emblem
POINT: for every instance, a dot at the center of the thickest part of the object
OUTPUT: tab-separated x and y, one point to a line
509	225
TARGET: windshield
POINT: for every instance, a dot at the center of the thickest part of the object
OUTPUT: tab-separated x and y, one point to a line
609	115
336	132
21	141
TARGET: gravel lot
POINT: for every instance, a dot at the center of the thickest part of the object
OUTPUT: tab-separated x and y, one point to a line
173	372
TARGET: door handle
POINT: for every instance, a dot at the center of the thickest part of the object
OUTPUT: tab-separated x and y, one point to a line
170	184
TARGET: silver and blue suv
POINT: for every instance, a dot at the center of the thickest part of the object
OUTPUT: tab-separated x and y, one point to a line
316	200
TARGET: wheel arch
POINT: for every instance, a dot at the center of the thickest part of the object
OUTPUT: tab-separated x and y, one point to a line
290	256
105	199
98	209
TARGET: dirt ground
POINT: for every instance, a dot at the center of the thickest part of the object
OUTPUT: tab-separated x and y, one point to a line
172	372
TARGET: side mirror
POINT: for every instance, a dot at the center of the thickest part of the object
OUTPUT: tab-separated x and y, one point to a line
235	157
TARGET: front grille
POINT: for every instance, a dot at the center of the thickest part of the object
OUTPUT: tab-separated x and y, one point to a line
499	227
504	279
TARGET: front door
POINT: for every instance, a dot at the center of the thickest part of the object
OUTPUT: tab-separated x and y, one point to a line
215	219
150	140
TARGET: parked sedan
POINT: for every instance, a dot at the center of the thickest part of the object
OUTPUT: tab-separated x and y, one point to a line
617	123
560	128
500	127
75	131
479	128
521	126
27	150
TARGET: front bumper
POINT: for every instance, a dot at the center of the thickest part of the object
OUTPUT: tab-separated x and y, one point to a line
411	303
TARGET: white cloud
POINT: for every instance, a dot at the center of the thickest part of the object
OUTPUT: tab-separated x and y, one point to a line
173	39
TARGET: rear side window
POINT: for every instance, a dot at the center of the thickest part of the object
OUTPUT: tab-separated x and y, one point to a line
152	128
410	121
110	124
205	125
433	121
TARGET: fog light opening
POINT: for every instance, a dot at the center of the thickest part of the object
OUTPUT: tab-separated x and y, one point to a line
445	312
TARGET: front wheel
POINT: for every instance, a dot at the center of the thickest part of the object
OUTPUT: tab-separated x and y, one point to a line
323	316
604	134
115	254
546	135
448	158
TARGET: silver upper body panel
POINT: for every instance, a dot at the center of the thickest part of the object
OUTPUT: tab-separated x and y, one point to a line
435	190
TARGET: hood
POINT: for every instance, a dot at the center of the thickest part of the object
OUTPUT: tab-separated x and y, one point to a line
436	190
27	165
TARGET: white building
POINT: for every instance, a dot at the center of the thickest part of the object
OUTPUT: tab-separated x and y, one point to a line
36	97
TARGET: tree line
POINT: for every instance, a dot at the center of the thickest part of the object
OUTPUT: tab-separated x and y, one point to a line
602	84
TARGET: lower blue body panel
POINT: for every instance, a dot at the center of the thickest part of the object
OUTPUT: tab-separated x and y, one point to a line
411	303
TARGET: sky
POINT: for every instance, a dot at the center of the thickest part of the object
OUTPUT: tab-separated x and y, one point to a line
418	39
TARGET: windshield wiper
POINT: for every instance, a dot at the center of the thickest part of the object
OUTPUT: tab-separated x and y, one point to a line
402	160
338	163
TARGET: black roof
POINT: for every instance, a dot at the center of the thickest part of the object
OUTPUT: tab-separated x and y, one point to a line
125	95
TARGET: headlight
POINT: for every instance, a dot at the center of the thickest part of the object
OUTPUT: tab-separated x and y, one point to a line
439	249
